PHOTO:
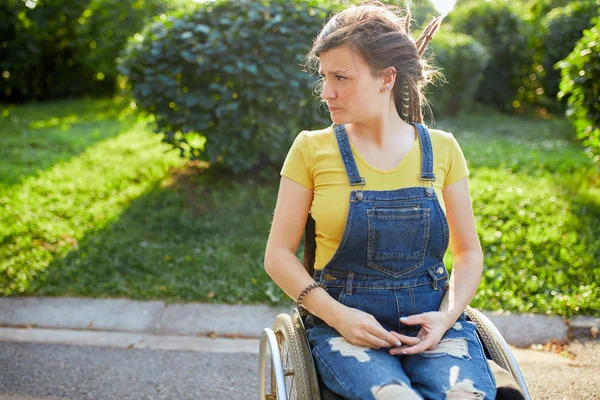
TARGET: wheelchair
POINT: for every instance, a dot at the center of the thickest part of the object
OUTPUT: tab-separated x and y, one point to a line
292	373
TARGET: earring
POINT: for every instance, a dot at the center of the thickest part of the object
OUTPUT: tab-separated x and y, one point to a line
405	101
388	86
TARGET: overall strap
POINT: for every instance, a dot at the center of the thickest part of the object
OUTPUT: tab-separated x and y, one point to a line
427	174
347	157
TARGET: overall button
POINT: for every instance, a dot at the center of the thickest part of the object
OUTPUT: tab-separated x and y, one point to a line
329	277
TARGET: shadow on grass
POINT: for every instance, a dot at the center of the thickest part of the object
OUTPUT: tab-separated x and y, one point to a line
195	236
37	136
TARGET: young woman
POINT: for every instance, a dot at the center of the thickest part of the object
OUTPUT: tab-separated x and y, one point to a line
388	196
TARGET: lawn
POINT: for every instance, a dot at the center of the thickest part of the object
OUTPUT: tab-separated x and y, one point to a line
93	204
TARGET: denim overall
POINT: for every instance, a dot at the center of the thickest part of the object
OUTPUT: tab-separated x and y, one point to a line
390	264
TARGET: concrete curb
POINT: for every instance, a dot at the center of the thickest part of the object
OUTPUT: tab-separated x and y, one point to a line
234	321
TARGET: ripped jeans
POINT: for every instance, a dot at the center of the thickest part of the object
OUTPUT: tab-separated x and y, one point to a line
456	369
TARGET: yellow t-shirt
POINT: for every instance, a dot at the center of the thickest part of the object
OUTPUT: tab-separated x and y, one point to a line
314	161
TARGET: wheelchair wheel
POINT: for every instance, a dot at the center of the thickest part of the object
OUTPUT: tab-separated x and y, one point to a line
292	372
293	358
497	348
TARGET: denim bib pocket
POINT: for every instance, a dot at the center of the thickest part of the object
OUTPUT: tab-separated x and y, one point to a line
398	238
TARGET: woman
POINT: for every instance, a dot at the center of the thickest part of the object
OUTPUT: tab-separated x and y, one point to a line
388	197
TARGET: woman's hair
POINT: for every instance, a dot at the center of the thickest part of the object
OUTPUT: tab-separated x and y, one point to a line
382	37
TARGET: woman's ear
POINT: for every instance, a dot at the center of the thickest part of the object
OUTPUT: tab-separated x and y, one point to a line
388	76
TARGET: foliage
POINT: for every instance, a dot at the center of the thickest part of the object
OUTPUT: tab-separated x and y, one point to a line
557	24
504	34
580	81
563	27
104	27
532	98
224	83
463	60
62	48
99	207
37	50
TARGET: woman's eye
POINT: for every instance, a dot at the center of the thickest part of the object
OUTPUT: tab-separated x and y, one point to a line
337	77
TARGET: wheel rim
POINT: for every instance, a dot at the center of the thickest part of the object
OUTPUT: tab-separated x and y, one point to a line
289	373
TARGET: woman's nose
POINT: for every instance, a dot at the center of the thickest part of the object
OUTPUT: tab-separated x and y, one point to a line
327	92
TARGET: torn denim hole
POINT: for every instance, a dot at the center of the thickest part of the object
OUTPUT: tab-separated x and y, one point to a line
394	391
458	348
464	390
454	370
457	326
347	349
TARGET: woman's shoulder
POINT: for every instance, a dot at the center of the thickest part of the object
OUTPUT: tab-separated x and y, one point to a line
444	144
317	140
322	134
440	136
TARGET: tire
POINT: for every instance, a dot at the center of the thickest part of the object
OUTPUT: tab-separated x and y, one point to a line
293	357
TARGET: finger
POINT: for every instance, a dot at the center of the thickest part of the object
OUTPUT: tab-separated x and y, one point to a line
377	330
415	319
410	340
408	350
390	339
376	342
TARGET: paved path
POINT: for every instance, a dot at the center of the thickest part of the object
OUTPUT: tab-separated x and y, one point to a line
49	371
34	371
78	348
556	377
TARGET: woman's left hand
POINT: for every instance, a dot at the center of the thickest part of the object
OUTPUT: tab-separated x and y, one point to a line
433	326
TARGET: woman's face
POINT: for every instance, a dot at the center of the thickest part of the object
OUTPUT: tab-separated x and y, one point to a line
349	89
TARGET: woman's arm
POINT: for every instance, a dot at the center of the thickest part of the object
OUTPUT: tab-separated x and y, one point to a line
466	271
465	248
282	265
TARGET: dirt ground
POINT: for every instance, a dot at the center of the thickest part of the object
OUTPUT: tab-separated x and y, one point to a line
562	372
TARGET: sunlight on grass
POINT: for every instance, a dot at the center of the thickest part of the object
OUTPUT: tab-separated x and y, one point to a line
45	216
536	235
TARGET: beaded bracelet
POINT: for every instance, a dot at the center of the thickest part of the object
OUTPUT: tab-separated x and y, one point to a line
305	291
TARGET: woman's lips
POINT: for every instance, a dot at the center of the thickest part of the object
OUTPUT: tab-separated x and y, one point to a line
332	109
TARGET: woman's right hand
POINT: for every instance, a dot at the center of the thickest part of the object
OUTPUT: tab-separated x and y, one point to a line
362	329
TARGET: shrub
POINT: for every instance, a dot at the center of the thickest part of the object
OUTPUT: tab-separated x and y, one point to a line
563	27
104	27
37	50
580	73
504	34
532	97
463	60
63	48
224	83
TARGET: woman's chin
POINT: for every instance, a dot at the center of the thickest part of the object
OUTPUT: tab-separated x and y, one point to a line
336	119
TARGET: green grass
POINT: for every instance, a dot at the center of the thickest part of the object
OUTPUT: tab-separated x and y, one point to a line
93	204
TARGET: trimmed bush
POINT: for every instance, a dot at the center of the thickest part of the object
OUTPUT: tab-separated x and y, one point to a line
224	83
504	34
580	81
103	30
463	60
